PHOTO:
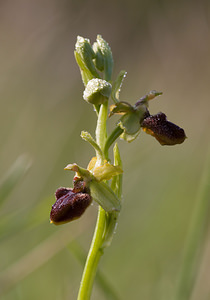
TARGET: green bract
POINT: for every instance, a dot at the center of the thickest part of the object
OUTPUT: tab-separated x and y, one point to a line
104	196
97	91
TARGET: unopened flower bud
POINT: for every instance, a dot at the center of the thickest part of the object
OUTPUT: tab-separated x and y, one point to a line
99	59
84	55
97	91
106	52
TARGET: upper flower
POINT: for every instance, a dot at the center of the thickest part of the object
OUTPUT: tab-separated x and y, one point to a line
165	132
136	117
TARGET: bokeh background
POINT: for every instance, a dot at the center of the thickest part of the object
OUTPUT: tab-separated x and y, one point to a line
163	45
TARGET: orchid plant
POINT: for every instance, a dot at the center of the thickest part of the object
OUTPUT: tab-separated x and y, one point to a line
101	181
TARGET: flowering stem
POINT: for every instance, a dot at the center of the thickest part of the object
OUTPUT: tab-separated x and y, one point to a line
96	248
91	181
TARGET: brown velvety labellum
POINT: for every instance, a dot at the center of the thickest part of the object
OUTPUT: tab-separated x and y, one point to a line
68	206
165	132
61	192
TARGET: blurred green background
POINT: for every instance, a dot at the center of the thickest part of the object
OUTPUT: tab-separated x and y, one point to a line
163	45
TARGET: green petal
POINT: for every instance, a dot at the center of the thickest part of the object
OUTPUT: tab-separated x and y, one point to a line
106	172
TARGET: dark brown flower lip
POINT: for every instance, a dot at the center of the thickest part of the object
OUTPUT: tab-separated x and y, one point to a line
61	192
69	205
165	132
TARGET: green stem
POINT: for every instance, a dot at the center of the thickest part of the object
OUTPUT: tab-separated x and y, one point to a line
101	132
96	248
196	238
93	258
111	139
102	281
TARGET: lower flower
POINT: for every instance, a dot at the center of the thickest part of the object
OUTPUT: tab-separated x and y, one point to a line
70	204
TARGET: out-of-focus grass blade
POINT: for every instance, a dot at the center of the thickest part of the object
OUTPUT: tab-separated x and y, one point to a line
24	219
13	176
196	237
36	258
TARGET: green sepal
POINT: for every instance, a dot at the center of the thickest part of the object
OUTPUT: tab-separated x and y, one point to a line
104	196
130	125
117	86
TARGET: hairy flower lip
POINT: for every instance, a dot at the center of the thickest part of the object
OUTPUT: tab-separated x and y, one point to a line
165	132
70	204
61	192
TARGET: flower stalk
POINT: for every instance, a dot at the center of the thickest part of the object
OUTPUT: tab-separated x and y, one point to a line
96	248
